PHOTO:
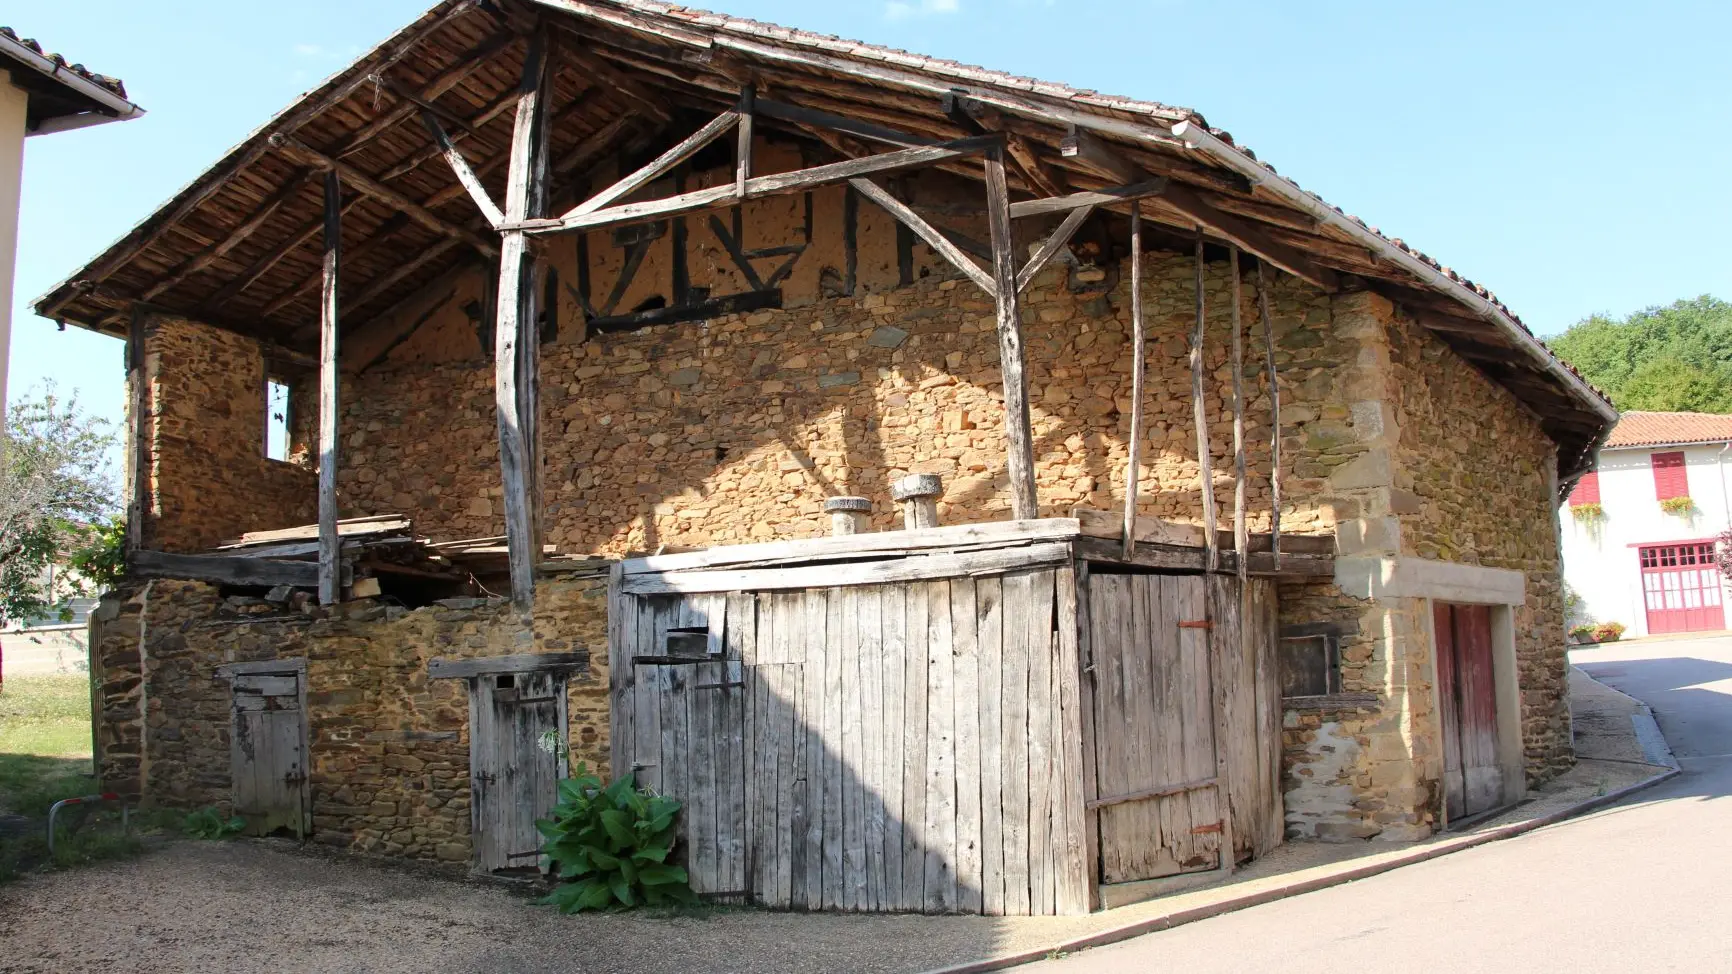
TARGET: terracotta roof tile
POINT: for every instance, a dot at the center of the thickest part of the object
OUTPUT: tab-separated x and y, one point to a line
112	84
1658	429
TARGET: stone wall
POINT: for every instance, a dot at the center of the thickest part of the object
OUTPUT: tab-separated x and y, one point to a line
736	429
388	747
208	478
1474	484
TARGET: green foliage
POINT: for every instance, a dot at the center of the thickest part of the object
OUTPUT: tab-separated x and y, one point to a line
54	484
1608	632
609	846
1671	359
101	560
1588	513
208	823
1583	633
1678	506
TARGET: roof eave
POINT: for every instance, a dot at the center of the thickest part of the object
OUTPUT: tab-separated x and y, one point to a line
110	107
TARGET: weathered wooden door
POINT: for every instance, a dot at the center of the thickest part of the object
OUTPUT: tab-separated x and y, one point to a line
268	752
1160	801
691	690
513	774
1467	701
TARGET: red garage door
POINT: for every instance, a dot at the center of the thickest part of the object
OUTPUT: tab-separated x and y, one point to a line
1681	586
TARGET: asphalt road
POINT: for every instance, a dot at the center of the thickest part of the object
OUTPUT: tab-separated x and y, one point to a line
1642	886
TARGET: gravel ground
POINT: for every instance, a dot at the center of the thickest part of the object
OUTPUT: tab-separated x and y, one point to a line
249	906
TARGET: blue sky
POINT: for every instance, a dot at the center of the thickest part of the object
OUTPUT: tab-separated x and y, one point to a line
1570	155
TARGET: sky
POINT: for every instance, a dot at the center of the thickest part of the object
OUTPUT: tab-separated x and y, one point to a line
1569	155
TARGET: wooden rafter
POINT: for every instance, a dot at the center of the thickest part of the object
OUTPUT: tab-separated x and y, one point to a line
467	64
493	110
297	290
220	249
262	266
364	183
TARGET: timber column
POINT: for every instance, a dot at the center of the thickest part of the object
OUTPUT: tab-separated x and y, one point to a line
516	351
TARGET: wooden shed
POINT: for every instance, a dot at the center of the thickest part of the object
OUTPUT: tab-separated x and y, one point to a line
1005	718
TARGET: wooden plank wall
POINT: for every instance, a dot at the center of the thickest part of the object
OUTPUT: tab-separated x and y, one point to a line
1253	703
903	747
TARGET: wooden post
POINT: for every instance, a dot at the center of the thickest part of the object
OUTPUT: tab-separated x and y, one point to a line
138	454
515	337
743	153
1019	439
1274	418
1200	416
1133	462
330	546
1241	529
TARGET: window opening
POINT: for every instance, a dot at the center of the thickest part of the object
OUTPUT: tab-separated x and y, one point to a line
276	419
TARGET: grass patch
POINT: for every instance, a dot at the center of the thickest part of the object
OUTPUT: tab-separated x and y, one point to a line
44	757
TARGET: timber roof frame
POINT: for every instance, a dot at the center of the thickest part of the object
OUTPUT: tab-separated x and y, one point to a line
238	248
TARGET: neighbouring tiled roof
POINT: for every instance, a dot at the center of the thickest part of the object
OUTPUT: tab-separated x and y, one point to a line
112	84
1659	429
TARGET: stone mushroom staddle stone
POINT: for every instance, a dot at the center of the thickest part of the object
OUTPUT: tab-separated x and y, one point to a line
919	494
848	515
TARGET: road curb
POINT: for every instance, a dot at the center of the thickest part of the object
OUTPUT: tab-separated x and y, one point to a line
1347	875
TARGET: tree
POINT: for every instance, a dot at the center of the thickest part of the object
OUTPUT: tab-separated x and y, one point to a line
56	496
1672	359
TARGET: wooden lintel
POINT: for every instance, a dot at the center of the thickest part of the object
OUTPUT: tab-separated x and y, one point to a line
364	183
1186	559
1109	525
779	184
943	565
1140	189
934	238
461	169
226	569
440	668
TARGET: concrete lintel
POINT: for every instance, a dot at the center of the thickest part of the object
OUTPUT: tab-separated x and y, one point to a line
1409	577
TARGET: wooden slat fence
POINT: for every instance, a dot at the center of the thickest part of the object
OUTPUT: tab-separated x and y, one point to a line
911	746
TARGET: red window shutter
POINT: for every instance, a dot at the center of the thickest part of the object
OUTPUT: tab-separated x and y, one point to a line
1669	477
1587	489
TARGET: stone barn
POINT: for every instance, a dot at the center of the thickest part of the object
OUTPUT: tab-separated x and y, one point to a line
965	492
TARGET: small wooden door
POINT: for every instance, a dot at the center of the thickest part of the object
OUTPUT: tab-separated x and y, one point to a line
692	691
1161	804
513	774
268	752
1467	700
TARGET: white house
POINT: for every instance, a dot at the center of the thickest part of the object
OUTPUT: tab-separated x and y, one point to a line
40	93
1639	530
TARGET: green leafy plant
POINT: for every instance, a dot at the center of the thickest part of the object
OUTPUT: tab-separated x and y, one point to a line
101	560
609	846
208	823
1608	632
1583	633
1678	506
1588	513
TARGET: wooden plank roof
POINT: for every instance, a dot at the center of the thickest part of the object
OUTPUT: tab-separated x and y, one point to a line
238	247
